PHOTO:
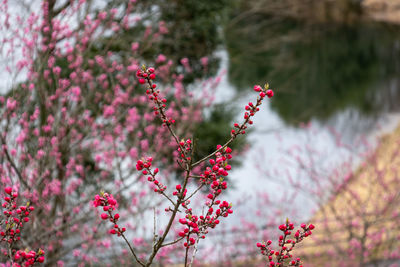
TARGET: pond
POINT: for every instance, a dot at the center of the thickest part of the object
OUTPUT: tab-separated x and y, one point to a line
318	70
343	80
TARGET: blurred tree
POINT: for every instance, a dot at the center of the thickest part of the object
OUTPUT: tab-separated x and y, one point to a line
191	29
77	119
183	29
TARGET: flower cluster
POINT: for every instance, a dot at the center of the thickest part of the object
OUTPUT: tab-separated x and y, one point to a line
147	75
28	258
109	204
198	225
213	176
219	166
184	148
14	219
283	256
251	109
178	188
144	166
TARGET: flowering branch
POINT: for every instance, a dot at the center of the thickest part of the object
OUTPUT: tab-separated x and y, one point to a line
10	231
281	256
196	227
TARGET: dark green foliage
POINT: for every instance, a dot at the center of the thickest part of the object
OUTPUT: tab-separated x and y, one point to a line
316	69
208	133
193	32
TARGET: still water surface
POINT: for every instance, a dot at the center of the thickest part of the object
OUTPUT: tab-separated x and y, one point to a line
342	79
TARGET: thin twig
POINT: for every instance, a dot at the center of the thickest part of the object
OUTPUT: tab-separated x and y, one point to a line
187	251
165	195
154	227
133	252
194	252
194	192
173	242
170	222
12	163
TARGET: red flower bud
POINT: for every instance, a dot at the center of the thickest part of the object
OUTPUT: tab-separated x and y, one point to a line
8	190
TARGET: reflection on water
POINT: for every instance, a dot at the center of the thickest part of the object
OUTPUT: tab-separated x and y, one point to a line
318	70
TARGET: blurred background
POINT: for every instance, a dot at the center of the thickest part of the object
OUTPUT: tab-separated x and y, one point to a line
316	152
324	149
